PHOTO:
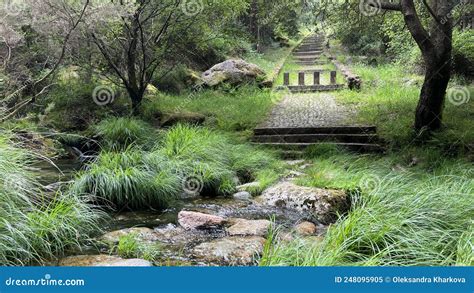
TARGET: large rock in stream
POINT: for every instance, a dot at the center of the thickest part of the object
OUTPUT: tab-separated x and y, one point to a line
142	233
322	205
232	71
234	251
194	220
102	260
243	227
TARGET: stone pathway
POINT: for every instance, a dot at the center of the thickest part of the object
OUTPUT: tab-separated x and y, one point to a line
308	110
310	114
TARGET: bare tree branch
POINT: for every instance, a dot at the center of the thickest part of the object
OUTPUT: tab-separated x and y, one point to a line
51	72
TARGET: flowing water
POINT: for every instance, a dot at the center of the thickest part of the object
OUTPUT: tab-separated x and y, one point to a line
176	243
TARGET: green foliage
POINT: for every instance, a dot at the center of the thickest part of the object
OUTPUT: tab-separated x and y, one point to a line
401	214
70	106
138	179
121	133
234	110
463	52
130	246
126	179
35	228
388	100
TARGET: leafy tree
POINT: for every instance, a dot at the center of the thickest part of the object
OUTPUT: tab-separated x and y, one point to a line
435	43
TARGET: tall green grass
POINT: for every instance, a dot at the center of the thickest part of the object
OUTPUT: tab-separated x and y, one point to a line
137	178
120	133
388	99
35	228
240	109
403	213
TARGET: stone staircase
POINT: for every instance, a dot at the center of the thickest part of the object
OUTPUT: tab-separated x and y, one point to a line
308	54
300	121
355	138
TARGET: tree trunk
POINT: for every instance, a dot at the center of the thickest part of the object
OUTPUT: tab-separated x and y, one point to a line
136	96
430	106
436	49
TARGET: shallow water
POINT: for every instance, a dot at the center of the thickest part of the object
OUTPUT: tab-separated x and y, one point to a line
175	243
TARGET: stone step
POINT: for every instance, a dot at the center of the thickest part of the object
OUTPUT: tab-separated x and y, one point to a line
318	44
308	49
358	147
350	129
304	53
307	59
313	56
310	88
312	138
310	63
291	154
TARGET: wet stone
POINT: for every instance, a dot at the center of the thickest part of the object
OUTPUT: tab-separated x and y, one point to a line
102	260
195	220
234	251
305	228
142	233
244	227
242	195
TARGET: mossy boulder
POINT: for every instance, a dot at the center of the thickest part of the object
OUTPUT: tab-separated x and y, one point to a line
323	205
233	72
169	120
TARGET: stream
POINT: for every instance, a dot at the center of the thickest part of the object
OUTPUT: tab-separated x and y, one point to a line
177	246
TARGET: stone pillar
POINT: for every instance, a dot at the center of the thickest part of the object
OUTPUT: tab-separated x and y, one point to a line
316	78
333	77
301	78
286	79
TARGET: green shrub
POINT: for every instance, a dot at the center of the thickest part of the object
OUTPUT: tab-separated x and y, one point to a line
402	214
130	246
70	106
126	179
234	110
186	159
35	228
120	133
463	52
